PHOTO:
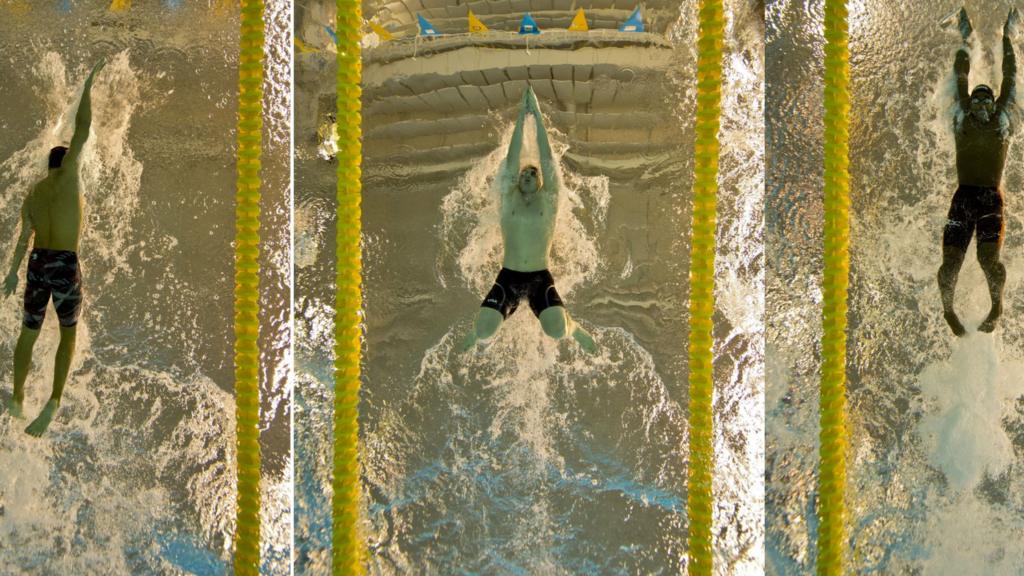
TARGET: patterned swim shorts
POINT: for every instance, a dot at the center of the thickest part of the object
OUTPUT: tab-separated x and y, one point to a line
52	272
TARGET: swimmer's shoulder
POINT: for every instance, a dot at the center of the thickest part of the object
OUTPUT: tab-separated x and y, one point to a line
506	183
66	179
39	190
549	191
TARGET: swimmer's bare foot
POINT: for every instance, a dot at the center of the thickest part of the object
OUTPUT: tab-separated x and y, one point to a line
990	323
954	323
14	407
42	422
585	340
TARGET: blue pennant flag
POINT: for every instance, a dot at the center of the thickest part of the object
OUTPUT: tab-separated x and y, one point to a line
528	25
173	4
634	24
331	34
426	28
65	6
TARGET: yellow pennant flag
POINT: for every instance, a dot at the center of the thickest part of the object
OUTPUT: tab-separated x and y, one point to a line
579	23
19	7
121	4
475	25
381	31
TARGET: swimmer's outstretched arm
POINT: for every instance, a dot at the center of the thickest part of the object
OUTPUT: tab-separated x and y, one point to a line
962	64
515	147
11	281
83	119
547	158
1008	91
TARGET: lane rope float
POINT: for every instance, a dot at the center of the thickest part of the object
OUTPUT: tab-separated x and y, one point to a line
247	251
346	545
832	479
702	287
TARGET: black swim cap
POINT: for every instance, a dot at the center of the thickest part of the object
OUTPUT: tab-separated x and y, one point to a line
57	156
982	88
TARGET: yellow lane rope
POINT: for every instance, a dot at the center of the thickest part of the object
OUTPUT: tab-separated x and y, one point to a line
247	251
832	481
346	544
702	285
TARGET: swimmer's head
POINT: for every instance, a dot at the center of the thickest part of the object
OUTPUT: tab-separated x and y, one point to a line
57	156
529	179
983	102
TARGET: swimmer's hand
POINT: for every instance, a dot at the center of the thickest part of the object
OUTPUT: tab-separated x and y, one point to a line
965	25
1010	28
529	103
10	283
96	70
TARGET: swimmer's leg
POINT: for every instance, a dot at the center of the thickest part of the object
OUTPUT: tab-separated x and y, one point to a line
62	364
22	362
952	260
955	237
995	274
487	323
556	323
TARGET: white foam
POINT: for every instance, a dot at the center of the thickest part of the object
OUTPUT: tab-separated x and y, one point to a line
514	415
968	536
966	397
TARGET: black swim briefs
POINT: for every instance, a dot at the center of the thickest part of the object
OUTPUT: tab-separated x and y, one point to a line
511	286
52	272
974	208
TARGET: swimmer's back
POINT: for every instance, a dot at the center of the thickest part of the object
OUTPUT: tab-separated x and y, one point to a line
55	208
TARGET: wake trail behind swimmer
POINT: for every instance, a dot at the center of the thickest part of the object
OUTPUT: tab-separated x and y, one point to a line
962	430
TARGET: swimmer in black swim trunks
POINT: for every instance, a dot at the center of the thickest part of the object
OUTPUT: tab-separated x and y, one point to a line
529	203
983	126
53	213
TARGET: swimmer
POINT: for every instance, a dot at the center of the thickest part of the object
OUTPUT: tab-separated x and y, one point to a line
983	125
529	205
52	211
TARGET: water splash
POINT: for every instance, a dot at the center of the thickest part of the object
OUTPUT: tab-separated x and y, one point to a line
535	440
967	396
